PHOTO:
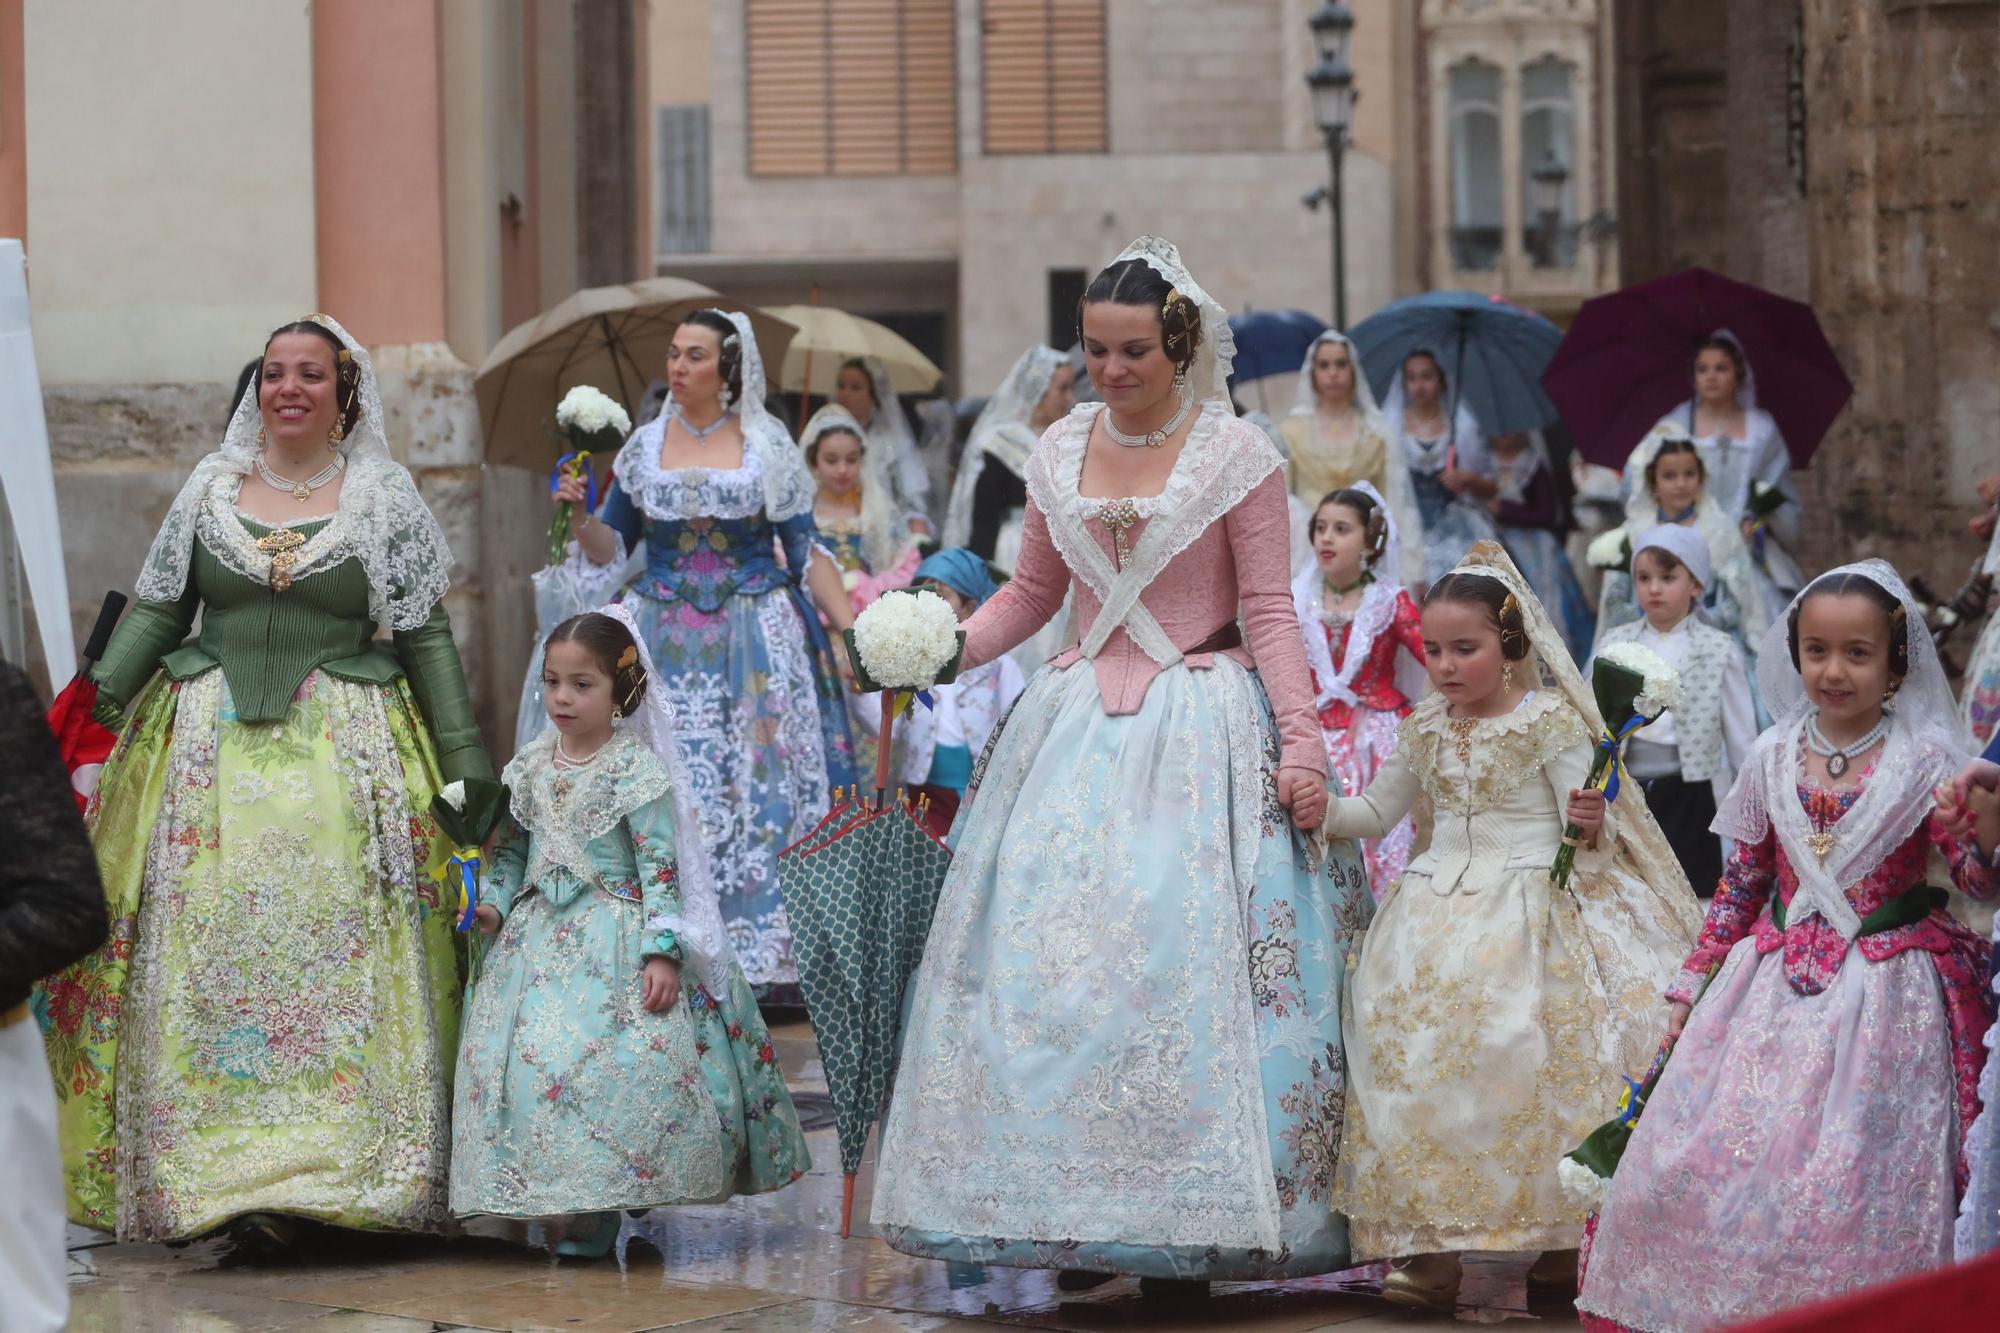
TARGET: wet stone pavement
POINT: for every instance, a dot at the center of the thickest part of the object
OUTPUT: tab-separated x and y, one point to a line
775	1262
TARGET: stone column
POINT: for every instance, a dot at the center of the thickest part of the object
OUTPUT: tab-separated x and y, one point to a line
1903	205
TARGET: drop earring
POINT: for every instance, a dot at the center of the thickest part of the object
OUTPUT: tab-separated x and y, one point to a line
336	435
260	437
1506	675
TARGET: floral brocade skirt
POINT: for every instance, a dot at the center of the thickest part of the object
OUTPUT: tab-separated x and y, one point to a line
572	1098
1123	1049
270	1027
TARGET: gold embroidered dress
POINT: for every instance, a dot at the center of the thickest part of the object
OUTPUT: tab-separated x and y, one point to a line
1491	1015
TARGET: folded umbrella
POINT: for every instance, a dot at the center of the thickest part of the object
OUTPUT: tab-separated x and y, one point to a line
1628	360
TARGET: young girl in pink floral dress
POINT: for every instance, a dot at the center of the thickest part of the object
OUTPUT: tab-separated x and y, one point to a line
1365	646
1807	1135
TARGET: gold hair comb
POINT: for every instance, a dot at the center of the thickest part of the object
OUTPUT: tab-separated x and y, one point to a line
628	657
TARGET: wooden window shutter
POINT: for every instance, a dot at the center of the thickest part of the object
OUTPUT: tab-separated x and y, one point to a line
851	87
1044	76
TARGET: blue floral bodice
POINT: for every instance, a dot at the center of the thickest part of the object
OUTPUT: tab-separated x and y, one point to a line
715	540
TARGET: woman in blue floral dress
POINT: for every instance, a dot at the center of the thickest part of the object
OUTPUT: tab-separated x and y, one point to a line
714	486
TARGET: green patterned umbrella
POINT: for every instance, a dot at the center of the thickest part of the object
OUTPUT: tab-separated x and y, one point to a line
859	893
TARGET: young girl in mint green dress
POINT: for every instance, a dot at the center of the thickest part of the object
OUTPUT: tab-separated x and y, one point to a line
613	1054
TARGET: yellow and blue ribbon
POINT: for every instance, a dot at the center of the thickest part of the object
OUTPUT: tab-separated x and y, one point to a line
579	463
1613	744
460	871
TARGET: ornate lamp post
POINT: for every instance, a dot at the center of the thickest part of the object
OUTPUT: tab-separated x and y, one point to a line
1332	82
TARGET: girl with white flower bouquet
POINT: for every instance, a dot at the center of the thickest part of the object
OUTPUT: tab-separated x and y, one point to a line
1491	1003
1808	1134
613	1056
1687	760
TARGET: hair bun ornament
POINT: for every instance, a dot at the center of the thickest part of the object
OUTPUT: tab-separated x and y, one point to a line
628	657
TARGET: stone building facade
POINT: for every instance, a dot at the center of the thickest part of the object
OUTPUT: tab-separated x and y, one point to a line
1841	152
429	172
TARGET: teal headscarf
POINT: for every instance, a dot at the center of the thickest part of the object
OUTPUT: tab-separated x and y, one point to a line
961	571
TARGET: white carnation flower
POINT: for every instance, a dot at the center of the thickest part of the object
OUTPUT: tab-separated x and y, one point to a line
591	410
1607	550
904	639
1661	692
1581	1185
454	795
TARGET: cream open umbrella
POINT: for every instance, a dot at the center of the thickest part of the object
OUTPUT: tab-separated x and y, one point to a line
612	338
826	337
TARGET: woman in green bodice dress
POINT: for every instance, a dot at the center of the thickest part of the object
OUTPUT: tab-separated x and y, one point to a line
268	1034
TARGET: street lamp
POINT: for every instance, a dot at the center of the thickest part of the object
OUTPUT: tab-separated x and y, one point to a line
1332	83
1545	186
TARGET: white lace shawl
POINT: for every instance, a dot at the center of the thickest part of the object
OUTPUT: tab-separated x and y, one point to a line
669	494
1925	745
1375	614
699	928
885	533
1221	461
381	519
1002	431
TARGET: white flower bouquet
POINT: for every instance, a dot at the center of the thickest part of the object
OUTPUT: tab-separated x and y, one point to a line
905	642
1610	550
587	411
1633	685
594	422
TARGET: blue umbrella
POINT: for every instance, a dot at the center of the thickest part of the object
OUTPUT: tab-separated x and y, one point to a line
1492	351
1272	342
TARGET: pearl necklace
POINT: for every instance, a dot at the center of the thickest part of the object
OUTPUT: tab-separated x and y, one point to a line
301	491
701	433
567	760
1838	756
1156	439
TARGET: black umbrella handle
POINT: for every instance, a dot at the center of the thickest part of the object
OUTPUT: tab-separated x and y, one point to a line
100	633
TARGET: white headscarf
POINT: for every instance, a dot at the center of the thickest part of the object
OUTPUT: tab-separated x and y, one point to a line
1003	431
1305	398
789	487
1729	558
381	519
1926	744
1684	545
892	460
885	536
1371	619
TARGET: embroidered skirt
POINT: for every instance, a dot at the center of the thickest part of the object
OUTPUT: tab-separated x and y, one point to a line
1123	1050
271	1026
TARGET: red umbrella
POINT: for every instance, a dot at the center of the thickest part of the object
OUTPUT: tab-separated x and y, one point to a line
84	741
1628	359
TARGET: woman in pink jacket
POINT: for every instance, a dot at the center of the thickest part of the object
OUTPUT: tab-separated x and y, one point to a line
1123	1053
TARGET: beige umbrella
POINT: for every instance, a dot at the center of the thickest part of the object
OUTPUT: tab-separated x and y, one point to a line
827	337
612	338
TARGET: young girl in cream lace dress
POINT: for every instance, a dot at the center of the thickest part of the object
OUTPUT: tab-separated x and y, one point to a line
1491	1015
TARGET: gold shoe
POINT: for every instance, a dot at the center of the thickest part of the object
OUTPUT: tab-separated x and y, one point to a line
1424	1282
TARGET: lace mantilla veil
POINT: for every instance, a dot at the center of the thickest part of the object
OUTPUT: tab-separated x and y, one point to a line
884	532
1002	431
699	927
1925	745
788	484
1371	619
890	439
1396	493
1640	843
381	519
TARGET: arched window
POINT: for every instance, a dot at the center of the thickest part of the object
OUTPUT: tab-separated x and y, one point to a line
1477	208
1548	162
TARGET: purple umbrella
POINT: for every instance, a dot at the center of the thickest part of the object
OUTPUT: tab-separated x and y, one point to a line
1628	360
